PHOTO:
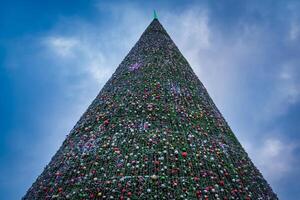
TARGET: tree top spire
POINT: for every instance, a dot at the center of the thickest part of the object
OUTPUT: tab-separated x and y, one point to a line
154	15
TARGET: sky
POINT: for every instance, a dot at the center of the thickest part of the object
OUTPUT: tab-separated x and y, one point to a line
55	56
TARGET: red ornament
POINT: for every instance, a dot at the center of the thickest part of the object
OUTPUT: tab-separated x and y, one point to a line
106	122
60	189
221	183
198	193
184	154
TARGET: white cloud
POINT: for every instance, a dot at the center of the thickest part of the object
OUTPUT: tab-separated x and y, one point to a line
294	32
290	83
62	46
190	28
285	92
275	157
85	56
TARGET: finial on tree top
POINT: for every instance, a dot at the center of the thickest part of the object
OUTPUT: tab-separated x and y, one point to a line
154	14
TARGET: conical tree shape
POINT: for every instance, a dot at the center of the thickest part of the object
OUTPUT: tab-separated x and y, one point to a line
153	132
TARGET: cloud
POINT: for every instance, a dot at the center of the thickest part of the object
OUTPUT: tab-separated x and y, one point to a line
92	50
63	47
275	157
294	31
85	58
290	87
285	92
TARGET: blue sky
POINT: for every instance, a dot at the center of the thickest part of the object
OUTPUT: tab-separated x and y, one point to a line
55	56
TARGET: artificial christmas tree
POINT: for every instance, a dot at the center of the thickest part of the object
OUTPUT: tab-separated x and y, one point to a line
153	132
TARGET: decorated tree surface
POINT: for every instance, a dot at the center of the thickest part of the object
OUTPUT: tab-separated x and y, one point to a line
153	132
